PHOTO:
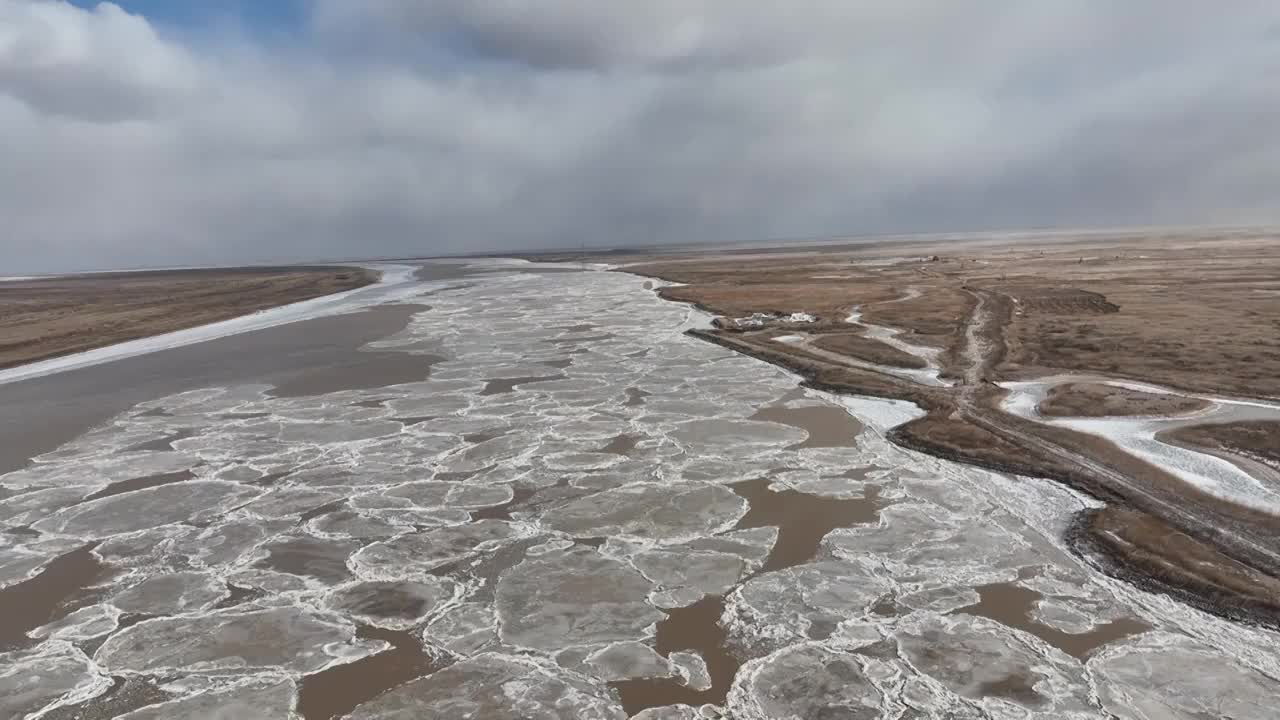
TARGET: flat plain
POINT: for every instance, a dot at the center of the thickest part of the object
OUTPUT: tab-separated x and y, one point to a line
48	317
497	489
1068	356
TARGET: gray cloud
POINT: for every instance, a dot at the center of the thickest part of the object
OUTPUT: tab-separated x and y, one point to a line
398	127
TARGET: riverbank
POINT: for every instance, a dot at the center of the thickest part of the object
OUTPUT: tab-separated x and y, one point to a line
980	325
50	317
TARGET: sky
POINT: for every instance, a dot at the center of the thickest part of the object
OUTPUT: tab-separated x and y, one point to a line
184	132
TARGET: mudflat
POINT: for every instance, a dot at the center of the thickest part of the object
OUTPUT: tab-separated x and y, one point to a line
42	318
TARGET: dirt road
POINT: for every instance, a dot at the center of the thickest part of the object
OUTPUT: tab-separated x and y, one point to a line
975	404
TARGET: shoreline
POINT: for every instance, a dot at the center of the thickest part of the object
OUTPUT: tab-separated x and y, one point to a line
86	320
1083	538
966	422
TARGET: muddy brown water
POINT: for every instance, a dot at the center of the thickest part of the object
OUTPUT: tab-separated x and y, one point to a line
335	692
1011	605
41	414
374	370
501	386
828	426
802	519
141	483
45	597
163	444
860	473
695	628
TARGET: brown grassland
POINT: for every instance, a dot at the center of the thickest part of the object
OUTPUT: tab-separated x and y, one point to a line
49	317
1193	311
857	346
1257	440
1097	400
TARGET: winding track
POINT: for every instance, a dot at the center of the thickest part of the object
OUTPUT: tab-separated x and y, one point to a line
982	332
1250	541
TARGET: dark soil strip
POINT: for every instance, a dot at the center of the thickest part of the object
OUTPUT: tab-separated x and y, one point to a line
1204	591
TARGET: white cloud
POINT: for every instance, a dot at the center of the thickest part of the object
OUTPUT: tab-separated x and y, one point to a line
102	64
397	127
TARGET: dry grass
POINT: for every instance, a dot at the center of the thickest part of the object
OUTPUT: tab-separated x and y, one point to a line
957	439
46	318
737	287
1095	400
1201	315
1151	549
1191	311
1257	440
820	373
1184	310
855	345
935	318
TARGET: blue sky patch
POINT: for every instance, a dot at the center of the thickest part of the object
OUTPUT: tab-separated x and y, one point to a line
254	16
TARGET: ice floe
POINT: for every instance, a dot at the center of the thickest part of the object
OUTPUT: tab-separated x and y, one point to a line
541	541
491	685
286	639
573	597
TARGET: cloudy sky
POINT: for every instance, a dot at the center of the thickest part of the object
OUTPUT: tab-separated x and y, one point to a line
196	131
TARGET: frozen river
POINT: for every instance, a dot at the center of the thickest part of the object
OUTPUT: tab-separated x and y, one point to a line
529	495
